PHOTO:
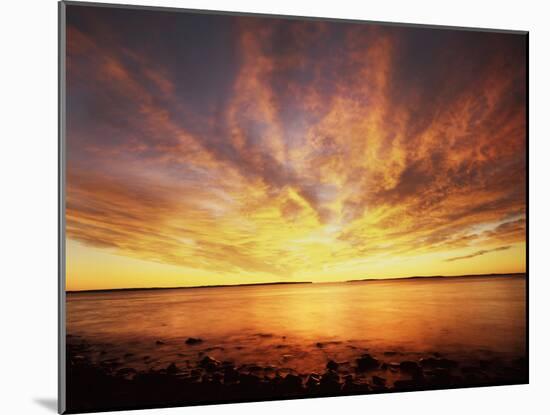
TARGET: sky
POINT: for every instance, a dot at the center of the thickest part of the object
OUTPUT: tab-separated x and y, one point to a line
206	149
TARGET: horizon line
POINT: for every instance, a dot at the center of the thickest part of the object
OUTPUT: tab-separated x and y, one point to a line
413	277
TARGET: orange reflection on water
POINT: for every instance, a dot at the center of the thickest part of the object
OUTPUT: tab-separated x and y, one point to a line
299	327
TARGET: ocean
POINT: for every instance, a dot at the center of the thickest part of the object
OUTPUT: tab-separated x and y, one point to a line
298	328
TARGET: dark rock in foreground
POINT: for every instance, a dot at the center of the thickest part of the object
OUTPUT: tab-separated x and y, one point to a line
432	363
378	381
366	363
106	386
172	369
209	363
291	384
330	382
230	375
332	365
193	340
406	384
313	381
411	368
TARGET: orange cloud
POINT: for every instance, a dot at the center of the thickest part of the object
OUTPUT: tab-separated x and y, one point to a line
478	253
281	149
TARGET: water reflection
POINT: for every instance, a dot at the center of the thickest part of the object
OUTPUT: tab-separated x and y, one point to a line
301	326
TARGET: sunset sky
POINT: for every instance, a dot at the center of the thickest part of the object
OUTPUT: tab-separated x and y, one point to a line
206	149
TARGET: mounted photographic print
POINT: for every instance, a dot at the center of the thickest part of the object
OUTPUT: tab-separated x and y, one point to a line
259	207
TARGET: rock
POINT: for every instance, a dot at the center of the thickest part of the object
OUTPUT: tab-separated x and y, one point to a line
470	370
313	380
172	369
193	378
473	374
319	345
330	375
429	363
292	383
378	381
330	382
191	341
366	363
230	375
332	365
217	378
350	386
250	381
410	367
159	343
390	353
293	379
441	377
433	363
126	371
406	384
196	372
209	363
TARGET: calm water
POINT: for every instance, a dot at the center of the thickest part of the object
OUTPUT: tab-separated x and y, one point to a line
464	318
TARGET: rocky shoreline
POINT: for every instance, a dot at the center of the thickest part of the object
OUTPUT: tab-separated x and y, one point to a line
108	384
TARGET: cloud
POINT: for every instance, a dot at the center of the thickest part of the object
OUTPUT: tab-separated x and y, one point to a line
280	147
478	253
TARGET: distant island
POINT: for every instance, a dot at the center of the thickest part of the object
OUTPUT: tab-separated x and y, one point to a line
185	288
420	277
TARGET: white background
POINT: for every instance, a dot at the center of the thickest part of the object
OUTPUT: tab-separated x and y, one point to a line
28	203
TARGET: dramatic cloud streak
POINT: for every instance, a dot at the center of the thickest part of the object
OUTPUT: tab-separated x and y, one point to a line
270	149
478	253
